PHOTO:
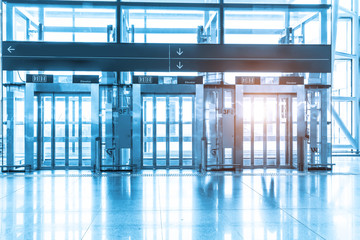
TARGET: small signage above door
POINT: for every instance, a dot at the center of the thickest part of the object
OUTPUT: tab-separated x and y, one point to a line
190	80
247	80
39	78
286	80
291	80
145	79
85	79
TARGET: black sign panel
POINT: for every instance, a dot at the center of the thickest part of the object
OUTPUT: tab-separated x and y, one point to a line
247	80
291	80
166	57
39	78
145	79
190	80
250	58
85	79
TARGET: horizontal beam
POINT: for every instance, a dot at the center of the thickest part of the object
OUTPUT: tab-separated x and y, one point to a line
165	57
200	4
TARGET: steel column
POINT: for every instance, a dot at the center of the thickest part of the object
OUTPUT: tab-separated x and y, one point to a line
136	123
29	124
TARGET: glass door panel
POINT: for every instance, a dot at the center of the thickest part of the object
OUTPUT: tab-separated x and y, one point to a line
294	131
73	136
269	135
161	131
46	130
148	129
60	112
187	130
174	124
247	118
271	115
167	133
64	130
86	130
283	103
258	130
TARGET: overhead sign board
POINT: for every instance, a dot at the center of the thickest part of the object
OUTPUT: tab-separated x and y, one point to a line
166	57
39	78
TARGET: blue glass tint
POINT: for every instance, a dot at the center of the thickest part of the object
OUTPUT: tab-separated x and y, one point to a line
169	26
61	24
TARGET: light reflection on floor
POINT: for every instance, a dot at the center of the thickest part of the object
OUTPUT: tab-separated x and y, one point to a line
67	205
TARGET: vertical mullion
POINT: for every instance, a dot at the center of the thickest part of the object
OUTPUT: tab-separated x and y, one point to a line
193	130
287	131
80	132
66	130
118	22
167	124
220	144
222	22
277	130
180	132
40	133
291	130
252	131
154	130
265	133
53	131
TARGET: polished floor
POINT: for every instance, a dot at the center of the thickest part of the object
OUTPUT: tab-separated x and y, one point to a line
181	205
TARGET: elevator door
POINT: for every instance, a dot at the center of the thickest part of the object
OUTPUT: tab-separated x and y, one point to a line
63	130
219	126
167	131
269	138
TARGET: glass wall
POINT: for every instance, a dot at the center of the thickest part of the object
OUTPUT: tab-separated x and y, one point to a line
345	135
169	26
277	26
60	24
249	22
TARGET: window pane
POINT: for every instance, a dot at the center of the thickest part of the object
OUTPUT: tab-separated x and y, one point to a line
342	84
169	26
62	24
344	35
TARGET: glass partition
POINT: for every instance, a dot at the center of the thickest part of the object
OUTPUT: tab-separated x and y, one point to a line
169	26
277	26
61	24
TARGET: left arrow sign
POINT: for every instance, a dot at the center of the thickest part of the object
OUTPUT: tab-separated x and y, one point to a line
10	49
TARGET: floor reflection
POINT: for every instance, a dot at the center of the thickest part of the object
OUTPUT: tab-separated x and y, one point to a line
217	206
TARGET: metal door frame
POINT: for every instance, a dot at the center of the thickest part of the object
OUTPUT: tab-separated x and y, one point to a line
139	89
32	89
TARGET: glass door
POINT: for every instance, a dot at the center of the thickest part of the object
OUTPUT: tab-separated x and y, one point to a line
219	126
64	131
167	131
269	123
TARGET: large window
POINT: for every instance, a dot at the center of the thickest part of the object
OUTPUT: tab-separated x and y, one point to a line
169	26
61	24
277	26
